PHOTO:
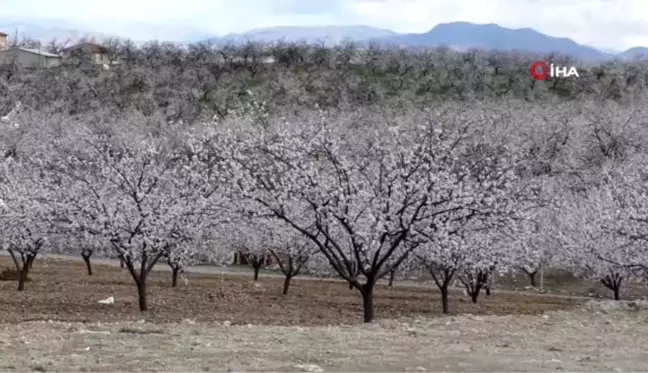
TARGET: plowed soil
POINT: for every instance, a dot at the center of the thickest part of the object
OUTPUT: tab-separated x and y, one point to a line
62	291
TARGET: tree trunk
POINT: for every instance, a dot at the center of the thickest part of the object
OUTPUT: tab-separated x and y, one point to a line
613	282
488	291
532	277
24	271
474	282
442	279
350	285
367	301
86	259
475	294
256	271
391	277
146	264
15	260
174	278
444	298
23	278
286	285
141	293
121	263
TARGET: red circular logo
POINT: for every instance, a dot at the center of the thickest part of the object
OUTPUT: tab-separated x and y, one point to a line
539	70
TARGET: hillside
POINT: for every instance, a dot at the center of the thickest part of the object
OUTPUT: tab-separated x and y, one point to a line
464	35
330	35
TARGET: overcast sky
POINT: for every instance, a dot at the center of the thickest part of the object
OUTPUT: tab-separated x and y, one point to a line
617	24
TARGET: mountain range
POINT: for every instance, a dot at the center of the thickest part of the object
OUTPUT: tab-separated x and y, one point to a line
456	35
329	35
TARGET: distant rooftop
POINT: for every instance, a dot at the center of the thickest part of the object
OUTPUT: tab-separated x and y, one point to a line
35	51
87	47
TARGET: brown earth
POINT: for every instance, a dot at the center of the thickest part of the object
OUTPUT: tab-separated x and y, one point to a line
556	282
62	291
57	325
562	282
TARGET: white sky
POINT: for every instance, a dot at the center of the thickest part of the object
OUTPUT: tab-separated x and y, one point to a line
617	24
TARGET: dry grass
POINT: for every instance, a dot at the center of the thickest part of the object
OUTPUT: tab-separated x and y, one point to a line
573	341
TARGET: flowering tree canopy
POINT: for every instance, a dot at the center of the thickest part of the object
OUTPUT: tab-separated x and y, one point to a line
147	196
358	192
592	245
27	211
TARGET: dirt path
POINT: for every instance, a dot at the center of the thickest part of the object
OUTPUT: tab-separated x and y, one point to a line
573	341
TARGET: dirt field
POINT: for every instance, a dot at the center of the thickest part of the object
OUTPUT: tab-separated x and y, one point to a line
558	282
220	323
63	291
564	283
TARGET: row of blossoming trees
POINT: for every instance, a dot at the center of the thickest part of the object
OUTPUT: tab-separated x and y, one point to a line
456	190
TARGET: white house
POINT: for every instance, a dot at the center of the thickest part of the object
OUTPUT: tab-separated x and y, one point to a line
30	58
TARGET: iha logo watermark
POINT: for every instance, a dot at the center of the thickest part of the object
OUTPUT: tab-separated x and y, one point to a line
541	70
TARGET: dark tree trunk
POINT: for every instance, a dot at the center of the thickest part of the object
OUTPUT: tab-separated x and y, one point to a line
141	294
175	269
86	259
257	262
475	294
367	301
474	282
531	275
488	283
121	264
391	277
442	278
140	274
444	299
23	278
256	271
613	282
290	266
174	278
353	269
286	285
24	271
15	260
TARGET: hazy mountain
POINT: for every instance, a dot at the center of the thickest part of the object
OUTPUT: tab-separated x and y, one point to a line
464	35
634	53
459	36
175	32
330	35
45	30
